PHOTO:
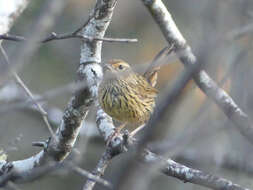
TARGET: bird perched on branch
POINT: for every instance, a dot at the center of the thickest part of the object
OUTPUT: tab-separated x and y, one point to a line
125	95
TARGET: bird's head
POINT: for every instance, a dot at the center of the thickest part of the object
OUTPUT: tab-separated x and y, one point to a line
116	68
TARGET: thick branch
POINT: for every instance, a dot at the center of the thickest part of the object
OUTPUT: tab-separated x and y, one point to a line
90	72
202	79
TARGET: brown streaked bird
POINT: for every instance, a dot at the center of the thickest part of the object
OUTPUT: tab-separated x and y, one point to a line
125	95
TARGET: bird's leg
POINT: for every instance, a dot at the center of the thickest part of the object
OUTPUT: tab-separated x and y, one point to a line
137	130
115	133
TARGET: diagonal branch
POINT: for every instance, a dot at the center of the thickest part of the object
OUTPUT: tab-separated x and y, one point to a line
43	23
28	93
173	36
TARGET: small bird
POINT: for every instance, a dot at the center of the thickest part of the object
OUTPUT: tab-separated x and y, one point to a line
125	95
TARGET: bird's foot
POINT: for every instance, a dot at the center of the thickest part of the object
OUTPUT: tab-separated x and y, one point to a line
115	134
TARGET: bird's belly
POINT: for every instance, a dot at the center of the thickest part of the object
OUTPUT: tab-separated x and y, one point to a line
124	110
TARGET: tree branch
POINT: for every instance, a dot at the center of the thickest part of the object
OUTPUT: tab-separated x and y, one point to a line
88	175
99	170
90	72
55	36
169	168
43	23
194	176
173	36
20	82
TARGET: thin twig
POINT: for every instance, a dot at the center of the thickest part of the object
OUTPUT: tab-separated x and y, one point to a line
20	102
12	186
88	175
239	32
99	170
55	36
28	93
159	56
12	37
91	16
42	24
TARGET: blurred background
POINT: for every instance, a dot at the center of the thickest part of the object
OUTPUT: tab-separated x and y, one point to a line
208	141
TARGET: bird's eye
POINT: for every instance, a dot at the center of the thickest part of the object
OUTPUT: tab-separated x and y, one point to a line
121	67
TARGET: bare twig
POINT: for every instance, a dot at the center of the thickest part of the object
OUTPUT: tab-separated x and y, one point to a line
40	144
91	16
22	102
99	170
160	56
88	175
55	36
239	32
18	100
12	37
44	22
29	93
